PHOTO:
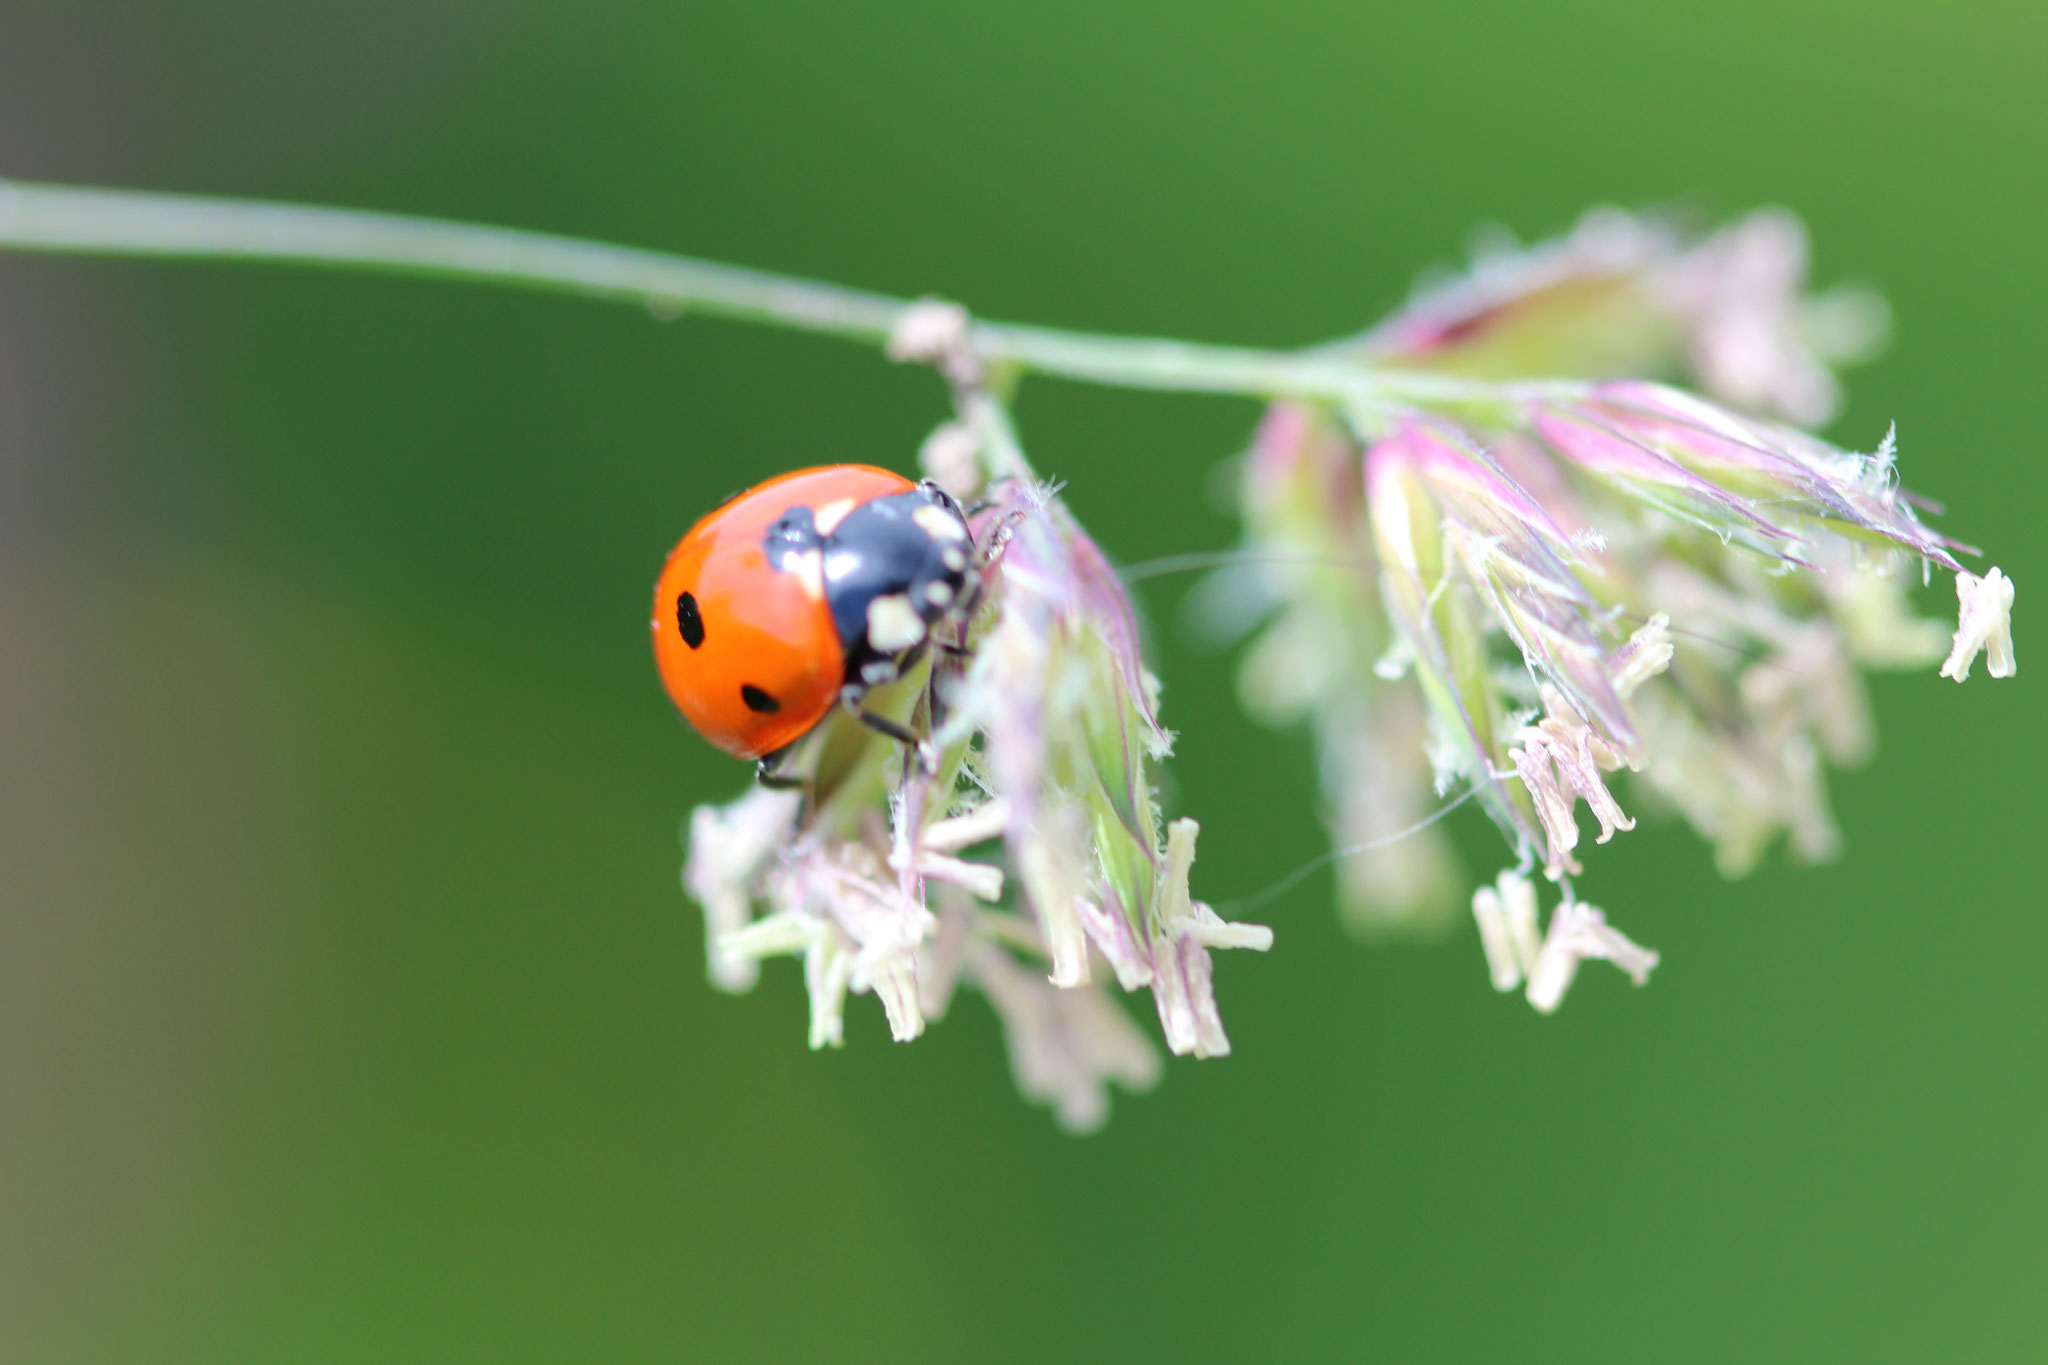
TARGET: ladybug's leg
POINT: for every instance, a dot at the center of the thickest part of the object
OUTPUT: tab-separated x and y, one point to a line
958	619
851	698
768	775
998	538
985	501
895	730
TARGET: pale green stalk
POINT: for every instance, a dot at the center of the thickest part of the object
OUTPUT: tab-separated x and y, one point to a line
62	220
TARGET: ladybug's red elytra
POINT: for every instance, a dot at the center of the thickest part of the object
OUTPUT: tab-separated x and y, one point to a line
801	594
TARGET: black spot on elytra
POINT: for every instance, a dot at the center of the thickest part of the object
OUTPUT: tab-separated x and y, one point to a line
757	700
689	620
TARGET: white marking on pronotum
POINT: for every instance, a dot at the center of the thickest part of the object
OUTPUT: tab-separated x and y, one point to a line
953	559
893	624
828	517
938	523
809	568
938	594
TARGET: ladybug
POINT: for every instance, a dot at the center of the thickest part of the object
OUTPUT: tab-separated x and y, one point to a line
799	595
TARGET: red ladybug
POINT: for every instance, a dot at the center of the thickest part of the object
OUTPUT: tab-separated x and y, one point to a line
801	594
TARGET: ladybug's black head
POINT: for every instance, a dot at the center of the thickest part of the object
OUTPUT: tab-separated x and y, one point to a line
892	566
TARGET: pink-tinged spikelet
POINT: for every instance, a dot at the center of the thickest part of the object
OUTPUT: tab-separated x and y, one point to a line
1560	571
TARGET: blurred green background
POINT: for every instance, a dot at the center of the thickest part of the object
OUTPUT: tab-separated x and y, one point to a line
349	1008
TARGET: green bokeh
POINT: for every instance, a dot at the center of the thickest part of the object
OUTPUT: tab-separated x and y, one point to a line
349	1009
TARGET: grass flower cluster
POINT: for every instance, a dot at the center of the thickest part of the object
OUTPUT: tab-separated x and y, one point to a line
1492	551
1540	585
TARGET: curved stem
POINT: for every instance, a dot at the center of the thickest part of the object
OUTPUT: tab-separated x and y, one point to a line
64	220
